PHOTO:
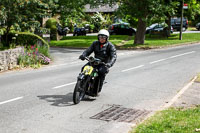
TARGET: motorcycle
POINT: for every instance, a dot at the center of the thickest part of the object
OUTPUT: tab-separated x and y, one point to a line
79	31
62	31
88	81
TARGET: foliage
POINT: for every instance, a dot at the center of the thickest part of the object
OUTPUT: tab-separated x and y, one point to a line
98	21
34	56
51	24
193	11
27	38
23	15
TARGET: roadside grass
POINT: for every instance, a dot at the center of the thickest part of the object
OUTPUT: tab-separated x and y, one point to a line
153	41
173	120
84	41
156	41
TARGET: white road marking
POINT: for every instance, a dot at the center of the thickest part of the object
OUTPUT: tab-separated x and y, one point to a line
11	100
132	68
172	57
64	85
178	94
157	61
182	54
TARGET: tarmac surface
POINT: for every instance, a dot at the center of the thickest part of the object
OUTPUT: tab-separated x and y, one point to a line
190	98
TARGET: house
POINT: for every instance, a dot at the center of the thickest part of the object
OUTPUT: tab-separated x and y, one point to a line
106	9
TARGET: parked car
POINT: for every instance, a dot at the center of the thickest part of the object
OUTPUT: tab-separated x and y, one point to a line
198	26
157	28
176	24
121	29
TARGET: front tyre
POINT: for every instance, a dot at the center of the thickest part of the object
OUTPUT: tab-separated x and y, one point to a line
79	92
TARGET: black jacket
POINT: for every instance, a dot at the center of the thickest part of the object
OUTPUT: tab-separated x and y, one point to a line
107	53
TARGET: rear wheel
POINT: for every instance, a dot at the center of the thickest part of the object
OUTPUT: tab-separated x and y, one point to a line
79	92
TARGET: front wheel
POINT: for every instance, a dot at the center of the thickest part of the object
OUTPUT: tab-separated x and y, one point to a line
79	92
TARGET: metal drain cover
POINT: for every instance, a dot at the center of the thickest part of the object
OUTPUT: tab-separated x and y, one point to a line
121	114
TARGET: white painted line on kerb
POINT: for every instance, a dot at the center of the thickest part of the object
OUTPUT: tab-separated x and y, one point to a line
172	57
11	100
132	68
173	100
64	85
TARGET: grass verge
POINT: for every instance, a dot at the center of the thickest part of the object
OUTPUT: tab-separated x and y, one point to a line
158	41
85	41
126	42
172	120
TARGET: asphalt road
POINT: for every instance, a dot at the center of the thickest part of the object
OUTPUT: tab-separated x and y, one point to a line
40	100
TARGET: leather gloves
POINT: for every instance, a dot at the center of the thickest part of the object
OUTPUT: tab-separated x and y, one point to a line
82	57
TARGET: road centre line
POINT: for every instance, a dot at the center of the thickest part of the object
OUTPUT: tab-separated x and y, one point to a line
11	100
157	61
182	54
132	68
64	85
172	57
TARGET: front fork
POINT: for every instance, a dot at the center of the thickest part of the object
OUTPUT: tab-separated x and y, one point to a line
84	81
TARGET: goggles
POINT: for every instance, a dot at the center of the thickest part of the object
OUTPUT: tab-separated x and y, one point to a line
102	37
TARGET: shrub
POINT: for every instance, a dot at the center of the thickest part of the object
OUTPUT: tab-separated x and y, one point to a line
25	38
51	24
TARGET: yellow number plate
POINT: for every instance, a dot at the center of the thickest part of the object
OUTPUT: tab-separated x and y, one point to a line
88	70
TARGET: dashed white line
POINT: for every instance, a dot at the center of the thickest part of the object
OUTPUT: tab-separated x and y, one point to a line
172	57
64	85
157	61
11	100
182	54
132	68
160	60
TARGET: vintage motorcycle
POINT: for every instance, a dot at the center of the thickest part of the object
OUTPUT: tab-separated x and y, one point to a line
88	81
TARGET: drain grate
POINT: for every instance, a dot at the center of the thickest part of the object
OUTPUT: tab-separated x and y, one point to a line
121	114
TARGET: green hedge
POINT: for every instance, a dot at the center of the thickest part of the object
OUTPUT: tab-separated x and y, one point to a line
26	38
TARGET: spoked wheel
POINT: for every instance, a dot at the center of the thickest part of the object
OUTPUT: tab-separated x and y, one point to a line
79	93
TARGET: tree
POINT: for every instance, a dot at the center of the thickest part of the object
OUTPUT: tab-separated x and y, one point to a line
145	11
193	9
22	15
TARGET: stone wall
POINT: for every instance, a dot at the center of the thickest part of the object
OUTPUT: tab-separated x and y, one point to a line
8	58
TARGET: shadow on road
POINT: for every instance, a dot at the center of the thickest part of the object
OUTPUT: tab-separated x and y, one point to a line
58	100
62	100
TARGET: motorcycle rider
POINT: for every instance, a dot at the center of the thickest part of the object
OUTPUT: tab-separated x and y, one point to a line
104	50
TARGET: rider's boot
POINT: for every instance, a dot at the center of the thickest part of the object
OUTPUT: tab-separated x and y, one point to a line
102	78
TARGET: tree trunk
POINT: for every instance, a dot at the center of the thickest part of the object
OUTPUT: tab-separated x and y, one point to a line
140	33
169	25
6	43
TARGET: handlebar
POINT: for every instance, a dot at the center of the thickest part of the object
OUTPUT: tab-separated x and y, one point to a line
95	60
